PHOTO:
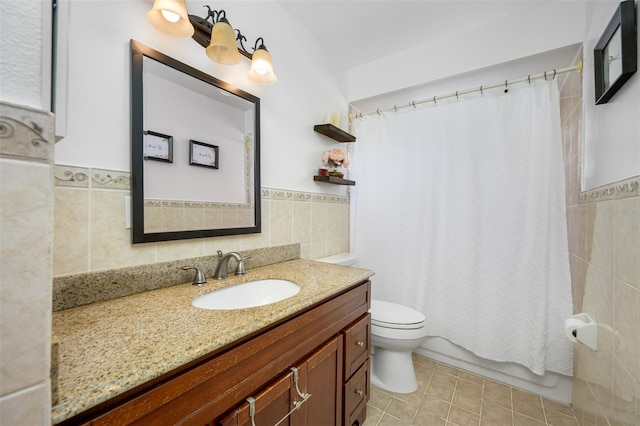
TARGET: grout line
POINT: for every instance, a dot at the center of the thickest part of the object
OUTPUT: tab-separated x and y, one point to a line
513	414
544	411
481	402
452	397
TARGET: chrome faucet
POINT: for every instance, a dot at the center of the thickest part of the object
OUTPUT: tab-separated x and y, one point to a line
223	263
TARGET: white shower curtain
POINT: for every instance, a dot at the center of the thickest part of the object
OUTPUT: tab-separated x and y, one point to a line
459	208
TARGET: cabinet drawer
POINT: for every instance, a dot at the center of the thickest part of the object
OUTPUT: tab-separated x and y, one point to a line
356	394
357	344
271	405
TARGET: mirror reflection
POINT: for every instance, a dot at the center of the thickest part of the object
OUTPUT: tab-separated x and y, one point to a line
612	60
195	152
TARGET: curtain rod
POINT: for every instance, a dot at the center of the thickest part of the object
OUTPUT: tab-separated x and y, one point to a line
545	75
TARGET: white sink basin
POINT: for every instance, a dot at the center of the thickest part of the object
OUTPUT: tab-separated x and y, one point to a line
247	295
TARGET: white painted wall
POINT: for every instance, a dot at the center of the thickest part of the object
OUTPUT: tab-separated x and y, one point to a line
25	53
544	27
612	130
309	85
547	61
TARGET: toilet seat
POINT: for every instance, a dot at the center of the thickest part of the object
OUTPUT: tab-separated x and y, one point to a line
395	316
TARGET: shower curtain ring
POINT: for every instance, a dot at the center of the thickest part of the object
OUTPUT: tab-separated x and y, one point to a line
413	103
545	76
434	100
481	92
395	107
554	75
378	111
506	86
457	95
529	78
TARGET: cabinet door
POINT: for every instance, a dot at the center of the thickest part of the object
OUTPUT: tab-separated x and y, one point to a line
322	373
357	344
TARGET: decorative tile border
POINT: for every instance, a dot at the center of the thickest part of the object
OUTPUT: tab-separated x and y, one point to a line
287	195
615	191
77	177
149	202
84	177
110	179
26	132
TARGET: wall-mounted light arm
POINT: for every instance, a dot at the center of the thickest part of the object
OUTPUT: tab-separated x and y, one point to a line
202	26
243	50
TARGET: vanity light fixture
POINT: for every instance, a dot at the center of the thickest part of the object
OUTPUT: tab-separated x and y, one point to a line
222	43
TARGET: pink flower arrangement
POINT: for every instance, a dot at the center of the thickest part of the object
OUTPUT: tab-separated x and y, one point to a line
335	158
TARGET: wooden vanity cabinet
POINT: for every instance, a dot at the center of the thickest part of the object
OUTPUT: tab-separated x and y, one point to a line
326	393
213	391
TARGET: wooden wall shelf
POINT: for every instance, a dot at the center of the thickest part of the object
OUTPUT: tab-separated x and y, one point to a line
334	180
334	133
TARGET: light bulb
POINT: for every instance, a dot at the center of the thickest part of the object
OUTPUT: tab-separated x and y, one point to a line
261	67
170	16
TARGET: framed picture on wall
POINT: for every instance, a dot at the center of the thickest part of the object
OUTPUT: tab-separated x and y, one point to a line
616	53
203	154
157	146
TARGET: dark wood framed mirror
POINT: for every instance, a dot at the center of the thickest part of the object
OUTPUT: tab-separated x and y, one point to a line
175	200
615	54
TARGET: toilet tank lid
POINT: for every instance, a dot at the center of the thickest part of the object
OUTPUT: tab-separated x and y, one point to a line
393	313
340	259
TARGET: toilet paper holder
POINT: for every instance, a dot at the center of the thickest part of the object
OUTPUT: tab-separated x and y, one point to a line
582	328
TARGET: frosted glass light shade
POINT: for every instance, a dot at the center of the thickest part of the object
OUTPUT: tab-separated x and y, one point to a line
261	70
172	9
223	48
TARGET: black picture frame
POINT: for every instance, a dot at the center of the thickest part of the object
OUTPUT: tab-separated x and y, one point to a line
157	146
615	54
203	154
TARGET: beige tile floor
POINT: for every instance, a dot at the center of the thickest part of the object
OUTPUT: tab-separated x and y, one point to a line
449	396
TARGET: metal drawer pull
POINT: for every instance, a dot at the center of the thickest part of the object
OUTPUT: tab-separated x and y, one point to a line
296	403
252	410
302	395
360	343
360	392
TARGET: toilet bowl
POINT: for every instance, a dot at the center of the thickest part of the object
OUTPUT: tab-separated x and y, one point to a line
396	330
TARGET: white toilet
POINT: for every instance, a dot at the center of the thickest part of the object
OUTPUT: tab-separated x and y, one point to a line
396	330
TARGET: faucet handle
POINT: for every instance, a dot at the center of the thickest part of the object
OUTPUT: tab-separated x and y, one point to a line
199	278
240	269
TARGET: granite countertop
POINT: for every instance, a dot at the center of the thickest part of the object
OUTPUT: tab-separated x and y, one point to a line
107	348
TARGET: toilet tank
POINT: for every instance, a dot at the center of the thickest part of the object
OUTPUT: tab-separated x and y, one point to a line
346	259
